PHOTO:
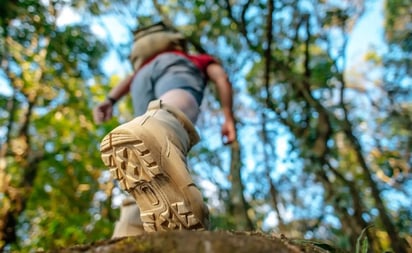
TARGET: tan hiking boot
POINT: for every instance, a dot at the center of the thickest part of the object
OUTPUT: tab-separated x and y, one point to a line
148	157
129	223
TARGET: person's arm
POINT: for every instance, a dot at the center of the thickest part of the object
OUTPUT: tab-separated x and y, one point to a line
103	111
121	89
218	76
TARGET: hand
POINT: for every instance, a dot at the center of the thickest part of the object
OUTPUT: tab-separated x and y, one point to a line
228	131
103	112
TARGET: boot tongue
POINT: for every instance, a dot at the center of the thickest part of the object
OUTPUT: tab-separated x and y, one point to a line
181	117
173	129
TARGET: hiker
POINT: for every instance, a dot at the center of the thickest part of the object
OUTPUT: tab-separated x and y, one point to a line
148	154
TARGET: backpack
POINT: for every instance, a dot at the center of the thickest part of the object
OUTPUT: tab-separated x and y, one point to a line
153	40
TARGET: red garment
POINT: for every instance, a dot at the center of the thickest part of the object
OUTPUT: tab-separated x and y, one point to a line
199	60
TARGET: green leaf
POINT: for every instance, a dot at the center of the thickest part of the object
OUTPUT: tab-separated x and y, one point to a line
362	243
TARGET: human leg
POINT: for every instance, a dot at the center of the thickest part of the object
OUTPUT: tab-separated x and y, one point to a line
126	149
182	100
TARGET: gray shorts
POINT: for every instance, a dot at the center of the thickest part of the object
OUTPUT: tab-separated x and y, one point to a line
166	72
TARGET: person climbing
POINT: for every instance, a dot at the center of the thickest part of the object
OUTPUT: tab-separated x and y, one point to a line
147	155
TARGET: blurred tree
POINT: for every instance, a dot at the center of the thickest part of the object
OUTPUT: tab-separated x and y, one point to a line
49	157
301	80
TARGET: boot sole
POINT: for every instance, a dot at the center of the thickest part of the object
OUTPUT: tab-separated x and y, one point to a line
138	171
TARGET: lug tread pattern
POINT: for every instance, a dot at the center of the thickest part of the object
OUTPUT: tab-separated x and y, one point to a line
131	163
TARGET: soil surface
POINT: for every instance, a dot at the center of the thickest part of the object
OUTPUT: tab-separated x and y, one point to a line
199	242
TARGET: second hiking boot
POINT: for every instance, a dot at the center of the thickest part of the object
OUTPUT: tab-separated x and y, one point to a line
129	223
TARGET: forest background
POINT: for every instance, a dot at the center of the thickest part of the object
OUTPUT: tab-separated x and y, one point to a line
324	146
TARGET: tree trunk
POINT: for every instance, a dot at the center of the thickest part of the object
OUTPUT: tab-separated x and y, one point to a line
397	243
238	206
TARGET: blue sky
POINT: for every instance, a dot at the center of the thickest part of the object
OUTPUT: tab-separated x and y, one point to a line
368	32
